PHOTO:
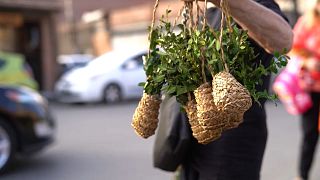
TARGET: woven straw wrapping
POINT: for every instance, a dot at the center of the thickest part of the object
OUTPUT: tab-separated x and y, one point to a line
207	113
203	136
231	98
145	118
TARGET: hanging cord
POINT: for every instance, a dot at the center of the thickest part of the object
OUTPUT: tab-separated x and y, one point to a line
203	29
197	13
190	5
154	16
187	20
205	14
177	18
152	23
222	5
187	15
228	17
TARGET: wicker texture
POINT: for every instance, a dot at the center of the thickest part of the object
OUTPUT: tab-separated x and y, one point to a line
207	113
191	109
203	136
231	98
145	118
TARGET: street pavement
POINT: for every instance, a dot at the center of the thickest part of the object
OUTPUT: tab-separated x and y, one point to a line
96	142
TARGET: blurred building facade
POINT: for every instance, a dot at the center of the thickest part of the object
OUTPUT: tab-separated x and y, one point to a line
90	25
44	29
28	27
104	25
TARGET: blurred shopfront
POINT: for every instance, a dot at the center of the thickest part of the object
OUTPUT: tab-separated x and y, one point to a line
28	27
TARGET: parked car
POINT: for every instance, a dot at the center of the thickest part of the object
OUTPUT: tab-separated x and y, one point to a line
26	124
110	78
70	61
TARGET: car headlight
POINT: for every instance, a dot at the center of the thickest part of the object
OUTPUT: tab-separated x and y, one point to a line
27	97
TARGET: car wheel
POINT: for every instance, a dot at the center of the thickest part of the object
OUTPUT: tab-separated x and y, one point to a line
112	94
7	145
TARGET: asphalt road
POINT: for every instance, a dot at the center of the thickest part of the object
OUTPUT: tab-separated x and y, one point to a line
96	142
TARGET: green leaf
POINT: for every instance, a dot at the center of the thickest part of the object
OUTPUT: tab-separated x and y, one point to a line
159	78
142	84
161	53
181	90
218	45
171	89
211	44
276	54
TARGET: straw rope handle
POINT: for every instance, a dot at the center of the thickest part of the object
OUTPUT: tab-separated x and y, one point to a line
156	5
203	28
189	3
205	14
224	13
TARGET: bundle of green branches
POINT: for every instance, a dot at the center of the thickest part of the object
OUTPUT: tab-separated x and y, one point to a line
211	72
183	67
145	118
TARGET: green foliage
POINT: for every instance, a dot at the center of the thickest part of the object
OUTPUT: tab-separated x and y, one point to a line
242	61
182	58
152	62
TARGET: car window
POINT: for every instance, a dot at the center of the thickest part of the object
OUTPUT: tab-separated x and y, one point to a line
139	59
134	62
108	59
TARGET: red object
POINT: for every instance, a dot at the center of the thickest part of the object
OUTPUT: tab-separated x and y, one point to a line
309	80
287	87
315	75
306	45
307	35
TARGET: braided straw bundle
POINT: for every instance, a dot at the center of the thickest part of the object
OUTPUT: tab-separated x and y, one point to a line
203	136
230	97
145	118
207	113
191	109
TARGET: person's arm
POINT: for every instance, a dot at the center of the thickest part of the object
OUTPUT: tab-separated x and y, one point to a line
264	26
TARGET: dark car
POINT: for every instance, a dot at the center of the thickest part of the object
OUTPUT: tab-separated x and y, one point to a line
26	124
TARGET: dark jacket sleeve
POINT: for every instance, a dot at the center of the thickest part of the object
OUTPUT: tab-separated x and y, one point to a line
271	4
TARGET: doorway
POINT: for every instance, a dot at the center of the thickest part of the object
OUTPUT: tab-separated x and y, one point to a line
29	44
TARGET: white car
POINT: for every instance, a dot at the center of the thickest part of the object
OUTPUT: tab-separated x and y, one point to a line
110	78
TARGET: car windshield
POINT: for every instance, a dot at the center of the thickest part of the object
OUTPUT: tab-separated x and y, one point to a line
107	60
75	65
